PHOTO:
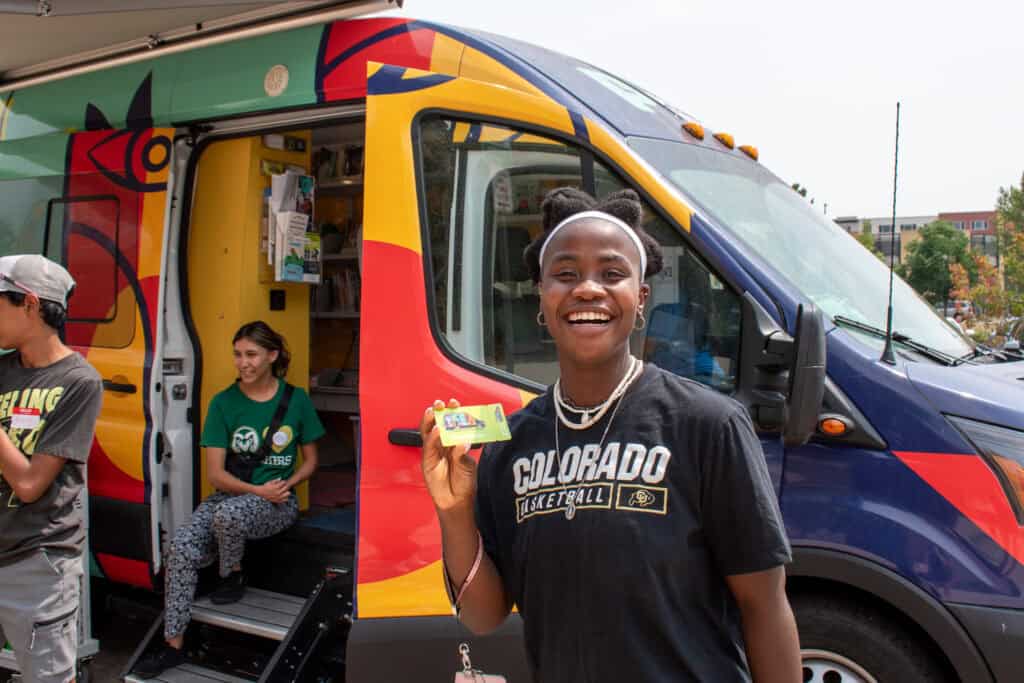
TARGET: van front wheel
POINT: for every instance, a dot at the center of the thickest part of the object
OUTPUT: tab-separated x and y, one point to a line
844	642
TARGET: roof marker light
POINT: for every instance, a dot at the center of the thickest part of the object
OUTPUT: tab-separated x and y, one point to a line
725	139
694	129
750	151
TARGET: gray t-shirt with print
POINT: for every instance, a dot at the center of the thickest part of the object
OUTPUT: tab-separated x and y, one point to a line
49	410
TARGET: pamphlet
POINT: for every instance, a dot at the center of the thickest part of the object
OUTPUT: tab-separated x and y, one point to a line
293	245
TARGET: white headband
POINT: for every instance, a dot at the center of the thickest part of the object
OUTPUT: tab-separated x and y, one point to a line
630	232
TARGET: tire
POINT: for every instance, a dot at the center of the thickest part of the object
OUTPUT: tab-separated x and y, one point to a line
845	642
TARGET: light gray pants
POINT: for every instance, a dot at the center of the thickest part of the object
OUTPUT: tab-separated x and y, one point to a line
39	614
219	527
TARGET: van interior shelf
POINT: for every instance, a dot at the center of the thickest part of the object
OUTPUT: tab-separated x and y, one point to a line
334	314
354	181
347	254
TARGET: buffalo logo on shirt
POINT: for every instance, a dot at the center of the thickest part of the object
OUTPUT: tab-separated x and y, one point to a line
641	498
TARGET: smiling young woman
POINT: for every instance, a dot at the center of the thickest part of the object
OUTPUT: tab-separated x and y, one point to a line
265	421
631	517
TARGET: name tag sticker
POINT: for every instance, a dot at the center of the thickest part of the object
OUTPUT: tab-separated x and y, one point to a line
472	424
25	418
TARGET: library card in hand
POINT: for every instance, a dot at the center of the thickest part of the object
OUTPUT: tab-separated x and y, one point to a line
472	424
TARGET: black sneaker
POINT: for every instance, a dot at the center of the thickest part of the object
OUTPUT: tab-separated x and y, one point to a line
157	661
231	589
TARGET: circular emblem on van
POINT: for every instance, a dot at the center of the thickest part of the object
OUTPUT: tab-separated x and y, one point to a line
276	80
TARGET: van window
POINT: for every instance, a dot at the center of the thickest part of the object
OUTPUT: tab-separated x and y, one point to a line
483	188
82	234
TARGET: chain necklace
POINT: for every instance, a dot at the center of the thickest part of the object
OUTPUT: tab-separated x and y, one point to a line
591	416
634	371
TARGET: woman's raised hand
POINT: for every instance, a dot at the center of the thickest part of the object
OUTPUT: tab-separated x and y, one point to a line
449	472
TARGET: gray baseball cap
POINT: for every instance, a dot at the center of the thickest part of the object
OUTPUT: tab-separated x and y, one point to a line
35	274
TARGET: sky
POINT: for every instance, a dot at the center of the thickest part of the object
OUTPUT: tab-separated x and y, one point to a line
813	84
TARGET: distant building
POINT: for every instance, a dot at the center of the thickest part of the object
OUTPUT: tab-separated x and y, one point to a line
849	223
906	232
980	226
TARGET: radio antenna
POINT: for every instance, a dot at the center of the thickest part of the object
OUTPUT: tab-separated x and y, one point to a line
887	354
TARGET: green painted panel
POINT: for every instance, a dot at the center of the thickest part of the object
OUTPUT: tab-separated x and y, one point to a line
223	80
60	105
216	81
40	156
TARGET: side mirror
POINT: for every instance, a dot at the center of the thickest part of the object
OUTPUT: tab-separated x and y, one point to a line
782	378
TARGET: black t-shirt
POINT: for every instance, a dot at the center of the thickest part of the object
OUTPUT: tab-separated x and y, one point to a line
632	588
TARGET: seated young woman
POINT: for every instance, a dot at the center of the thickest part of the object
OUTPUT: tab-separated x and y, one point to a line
253	501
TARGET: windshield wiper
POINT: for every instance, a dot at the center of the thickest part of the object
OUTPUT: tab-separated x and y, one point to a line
924	350
983	351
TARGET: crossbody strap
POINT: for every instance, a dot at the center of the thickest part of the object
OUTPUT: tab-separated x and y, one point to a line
275	424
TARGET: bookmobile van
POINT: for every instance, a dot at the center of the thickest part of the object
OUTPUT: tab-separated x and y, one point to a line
901	483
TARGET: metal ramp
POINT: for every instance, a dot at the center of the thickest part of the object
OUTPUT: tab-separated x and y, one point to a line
292	632
259	613
188	673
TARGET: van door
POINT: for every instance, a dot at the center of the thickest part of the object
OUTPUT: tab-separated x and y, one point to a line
107	228
454	171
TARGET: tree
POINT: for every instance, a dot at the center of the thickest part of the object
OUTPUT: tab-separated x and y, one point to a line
1010	232
867	240
928	262
800	190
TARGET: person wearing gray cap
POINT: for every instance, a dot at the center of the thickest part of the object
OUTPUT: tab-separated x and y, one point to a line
49	400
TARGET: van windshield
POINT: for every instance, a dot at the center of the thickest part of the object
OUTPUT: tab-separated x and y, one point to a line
817	256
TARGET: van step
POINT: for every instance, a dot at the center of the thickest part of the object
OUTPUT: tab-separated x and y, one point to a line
188	673
259	613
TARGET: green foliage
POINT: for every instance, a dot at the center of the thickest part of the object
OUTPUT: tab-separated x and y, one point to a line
927	266
800	190
1010	229
867	240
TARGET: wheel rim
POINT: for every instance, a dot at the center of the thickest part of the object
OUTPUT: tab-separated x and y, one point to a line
822	666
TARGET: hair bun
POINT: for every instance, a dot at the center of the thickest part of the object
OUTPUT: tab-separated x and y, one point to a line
563	202
624	205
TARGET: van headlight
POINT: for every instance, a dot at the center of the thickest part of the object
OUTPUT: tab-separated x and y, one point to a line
1003	448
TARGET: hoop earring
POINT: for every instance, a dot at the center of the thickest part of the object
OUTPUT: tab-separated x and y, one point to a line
540	319
640	322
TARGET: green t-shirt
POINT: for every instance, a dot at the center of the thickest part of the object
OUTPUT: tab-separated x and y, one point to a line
236	422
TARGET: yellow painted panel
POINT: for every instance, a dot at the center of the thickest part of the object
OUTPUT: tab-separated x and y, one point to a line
480	67
154	212
391	213
118	429
526	397
641	173
417	594
446	56
5	110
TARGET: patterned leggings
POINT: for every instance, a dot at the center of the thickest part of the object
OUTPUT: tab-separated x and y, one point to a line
219	527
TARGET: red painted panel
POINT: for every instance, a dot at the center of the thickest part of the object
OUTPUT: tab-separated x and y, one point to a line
121	570
401	372
969	484
108	480
350	44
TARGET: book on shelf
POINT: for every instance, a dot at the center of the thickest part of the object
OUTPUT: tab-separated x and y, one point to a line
338	292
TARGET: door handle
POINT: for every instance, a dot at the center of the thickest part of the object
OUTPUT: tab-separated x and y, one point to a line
119	387
406	437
